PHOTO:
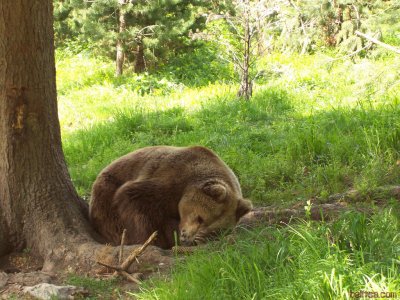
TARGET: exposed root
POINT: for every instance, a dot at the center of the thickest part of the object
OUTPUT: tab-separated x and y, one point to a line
380	195
268	216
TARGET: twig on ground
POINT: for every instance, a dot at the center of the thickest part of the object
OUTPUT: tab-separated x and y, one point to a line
121	250
137	252
123	268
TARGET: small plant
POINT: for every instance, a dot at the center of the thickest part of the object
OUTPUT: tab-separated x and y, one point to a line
307	209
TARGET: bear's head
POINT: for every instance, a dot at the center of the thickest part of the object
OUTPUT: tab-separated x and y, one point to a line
207	208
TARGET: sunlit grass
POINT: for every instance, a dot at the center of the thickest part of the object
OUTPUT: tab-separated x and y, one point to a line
306	260
312	128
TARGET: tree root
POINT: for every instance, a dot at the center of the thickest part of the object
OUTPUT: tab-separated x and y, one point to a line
268	216
380	195
322	208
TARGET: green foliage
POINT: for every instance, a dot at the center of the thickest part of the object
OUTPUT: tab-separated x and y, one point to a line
300	261
198	67
68	16
77	73
161	27
164	27
344	131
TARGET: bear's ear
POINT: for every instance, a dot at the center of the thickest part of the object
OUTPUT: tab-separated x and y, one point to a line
244	206
215	190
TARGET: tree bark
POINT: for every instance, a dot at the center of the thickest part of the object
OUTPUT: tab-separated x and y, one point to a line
4	244
37	198
120	43
140	64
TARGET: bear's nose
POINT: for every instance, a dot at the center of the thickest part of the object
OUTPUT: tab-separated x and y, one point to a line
184	235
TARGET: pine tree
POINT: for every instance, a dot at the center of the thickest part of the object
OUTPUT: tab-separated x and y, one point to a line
239	27
142	32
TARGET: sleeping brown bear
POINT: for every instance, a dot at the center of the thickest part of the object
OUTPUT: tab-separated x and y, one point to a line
187	190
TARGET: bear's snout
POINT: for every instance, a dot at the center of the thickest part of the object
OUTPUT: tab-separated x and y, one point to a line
185	238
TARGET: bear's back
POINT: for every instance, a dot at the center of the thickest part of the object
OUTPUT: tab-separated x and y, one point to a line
171	166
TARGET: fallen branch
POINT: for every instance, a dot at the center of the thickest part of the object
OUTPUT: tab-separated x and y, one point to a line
377	195
121	249
333	206
137	252
122	270
119	271
268	216
115	268
374	40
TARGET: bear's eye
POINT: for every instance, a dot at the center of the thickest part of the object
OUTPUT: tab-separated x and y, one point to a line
200	220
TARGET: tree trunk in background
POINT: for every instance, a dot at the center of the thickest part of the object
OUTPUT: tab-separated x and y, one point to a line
140	64
39	208
246	89
120	43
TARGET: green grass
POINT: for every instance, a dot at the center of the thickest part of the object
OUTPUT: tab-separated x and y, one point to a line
313	128
305	260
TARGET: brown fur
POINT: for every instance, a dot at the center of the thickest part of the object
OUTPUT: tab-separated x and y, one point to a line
188	190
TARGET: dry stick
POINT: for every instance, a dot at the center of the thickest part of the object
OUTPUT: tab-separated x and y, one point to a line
116	268
121	250
138	251
122	269
378	42
121	272
130	277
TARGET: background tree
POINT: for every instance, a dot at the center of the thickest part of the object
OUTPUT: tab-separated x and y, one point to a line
141	32
120	42
241	32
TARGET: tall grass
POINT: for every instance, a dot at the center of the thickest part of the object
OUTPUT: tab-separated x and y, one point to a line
300	261
311	130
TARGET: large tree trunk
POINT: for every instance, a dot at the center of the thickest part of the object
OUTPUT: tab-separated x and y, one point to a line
39	208
37	200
